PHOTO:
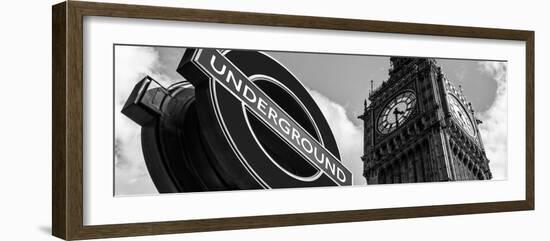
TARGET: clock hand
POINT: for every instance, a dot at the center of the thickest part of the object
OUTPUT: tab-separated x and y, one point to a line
397	112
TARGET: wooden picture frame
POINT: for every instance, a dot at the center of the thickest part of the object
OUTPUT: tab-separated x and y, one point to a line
67	124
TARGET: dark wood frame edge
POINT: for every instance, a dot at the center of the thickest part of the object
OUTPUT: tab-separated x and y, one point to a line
59	195
67	209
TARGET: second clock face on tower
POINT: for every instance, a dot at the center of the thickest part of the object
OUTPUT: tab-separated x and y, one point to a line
461	115
396	112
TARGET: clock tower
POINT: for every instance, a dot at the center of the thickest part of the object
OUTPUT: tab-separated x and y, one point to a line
419	127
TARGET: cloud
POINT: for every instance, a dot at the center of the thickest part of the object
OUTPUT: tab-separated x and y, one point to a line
349	137
494	130
132	63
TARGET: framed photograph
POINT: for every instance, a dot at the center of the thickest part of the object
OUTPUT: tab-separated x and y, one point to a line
171	120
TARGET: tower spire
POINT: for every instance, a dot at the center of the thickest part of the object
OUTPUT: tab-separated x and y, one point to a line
371	87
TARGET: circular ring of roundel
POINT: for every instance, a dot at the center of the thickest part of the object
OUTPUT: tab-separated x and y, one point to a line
204	139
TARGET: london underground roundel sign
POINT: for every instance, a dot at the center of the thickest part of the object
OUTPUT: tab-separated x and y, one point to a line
243	121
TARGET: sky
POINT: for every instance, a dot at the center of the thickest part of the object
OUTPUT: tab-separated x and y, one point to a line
338	83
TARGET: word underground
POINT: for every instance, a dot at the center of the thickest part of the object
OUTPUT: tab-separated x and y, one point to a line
229	76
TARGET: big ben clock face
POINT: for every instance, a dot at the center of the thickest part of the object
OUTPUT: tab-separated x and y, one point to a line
461	115
396	112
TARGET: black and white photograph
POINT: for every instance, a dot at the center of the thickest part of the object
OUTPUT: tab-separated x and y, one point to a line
191	119
274	120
